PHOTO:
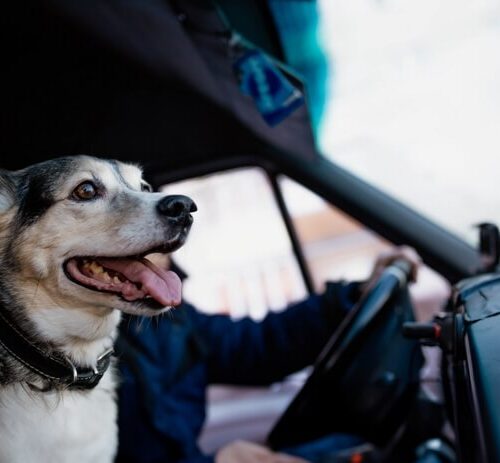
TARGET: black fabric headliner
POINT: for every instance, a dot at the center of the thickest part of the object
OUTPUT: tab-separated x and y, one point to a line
125	79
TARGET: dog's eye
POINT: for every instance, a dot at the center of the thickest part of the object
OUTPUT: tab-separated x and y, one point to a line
146	187
85	191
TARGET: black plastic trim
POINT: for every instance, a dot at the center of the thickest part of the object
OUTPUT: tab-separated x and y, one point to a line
292	233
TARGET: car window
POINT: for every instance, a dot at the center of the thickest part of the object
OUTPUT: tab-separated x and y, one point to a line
414	103
337	247
239	256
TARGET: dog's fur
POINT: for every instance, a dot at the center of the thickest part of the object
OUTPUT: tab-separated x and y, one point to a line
42	225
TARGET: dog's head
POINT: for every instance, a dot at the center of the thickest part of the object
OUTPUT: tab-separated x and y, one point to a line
75	232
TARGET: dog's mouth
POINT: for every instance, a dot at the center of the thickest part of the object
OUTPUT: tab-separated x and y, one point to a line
134	278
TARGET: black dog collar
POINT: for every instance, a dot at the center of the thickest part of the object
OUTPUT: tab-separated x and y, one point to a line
56	368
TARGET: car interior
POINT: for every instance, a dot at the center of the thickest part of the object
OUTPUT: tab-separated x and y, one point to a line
153	83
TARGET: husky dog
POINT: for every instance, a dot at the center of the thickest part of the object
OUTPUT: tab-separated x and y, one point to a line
75	233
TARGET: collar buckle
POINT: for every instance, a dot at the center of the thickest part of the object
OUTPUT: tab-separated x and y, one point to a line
88	377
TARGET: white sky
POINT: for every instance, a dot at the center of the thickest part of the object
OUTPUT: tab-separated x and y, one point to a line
414	102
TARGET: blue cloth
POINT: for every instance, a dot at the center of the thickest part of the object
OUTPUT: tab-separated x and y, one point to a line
166	364
274	95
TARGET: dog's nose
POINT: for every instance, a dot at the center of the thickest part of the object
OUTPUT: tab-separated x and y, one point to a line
177	208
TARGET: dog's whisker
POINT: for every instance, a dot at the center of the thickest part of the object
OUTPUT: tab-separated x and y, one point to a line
140	325
129	321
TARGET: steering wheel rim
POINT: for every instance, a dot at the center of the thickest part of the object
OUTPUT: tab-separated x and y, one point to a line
341	346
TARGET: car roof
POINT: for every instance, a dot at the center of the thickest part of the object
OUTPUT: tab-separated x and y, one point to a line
129	80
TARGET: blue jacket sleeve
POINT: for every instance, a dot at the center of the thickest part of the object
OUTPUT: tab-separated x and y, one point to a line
260	352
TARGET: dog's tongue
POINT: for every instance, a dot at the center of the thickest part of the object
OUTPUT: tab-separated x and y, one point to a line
162	285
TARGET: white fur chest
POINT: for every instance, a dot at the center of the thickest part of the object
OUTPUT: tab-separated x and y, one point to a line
72	426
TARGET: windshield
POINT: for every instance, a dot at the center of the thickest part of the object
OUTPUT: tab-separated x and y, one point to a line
413	103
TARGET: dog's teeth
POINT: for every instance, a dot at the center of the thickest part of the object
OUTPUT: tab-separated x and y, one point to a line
116	280
96	268
106	276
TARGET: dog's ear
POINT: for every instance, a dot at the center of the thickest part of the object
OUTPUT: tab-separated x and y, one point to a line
7	190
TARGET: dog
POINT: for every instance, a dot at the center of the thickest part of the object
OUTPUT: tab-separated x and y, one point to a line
75	233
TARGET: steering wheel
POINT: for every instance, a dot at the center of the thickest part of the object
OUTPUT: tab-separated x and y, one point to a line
365	375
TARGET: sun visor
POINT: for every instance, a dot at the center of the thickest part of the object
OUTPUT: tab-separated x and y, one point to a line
139	80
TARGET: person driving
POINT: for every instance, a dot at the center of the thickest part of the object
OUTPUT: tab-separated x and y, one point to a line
167	363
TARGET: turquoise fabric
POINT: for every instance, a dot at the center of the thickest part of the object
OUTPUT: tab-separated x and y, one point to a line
297	22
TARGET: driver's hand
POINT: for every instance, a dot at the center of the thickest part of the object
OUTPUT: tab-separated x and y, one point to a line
387	258
248	452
